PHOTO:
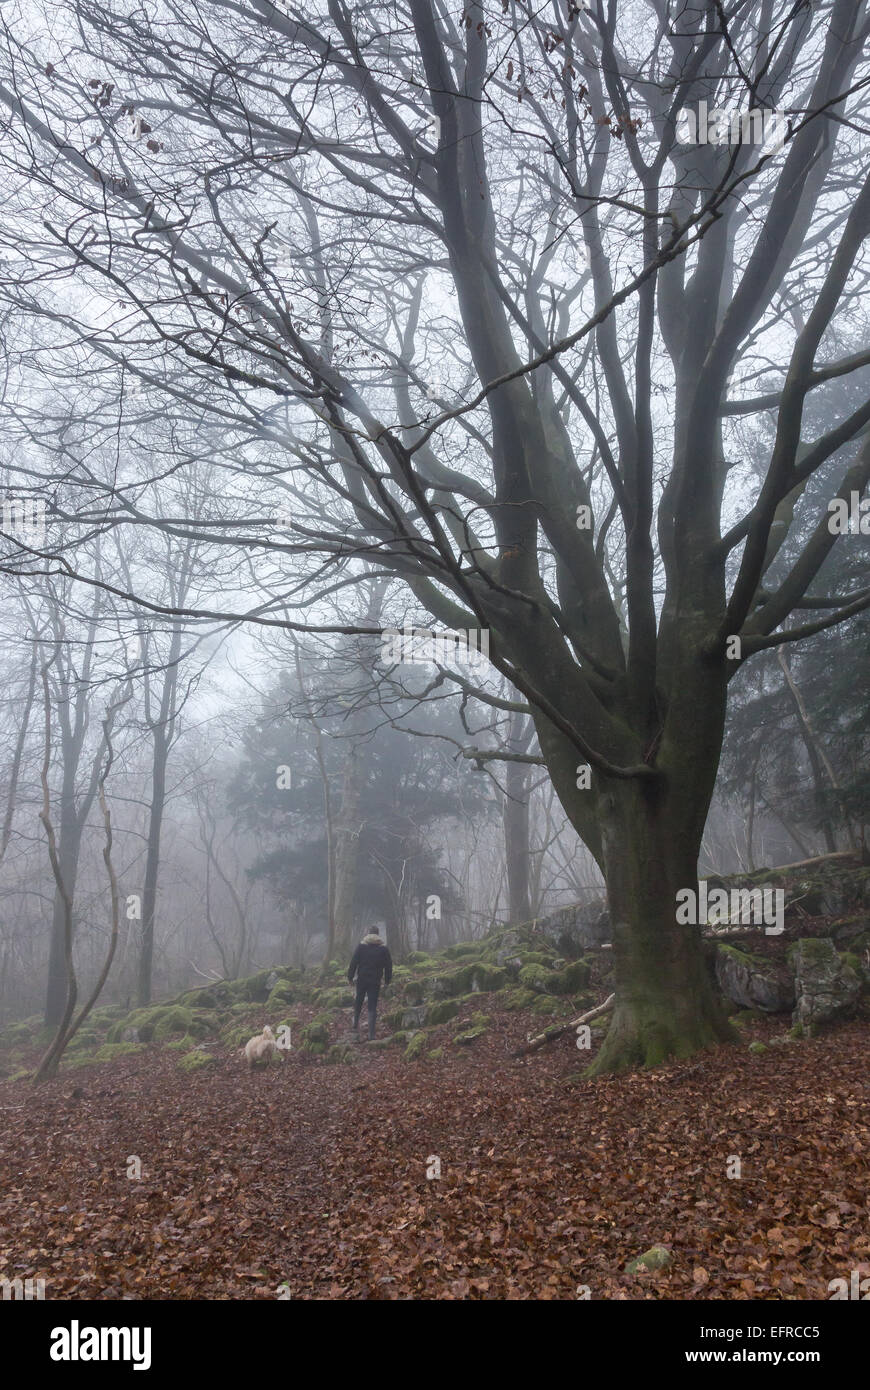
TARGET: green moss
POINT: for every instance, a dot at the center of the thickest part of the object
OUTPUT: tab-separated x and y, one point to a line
469	1036
571	978
282	994
514	999
435	1055
110	1051
421	958
195	1061
746	1017
463	948
85	1040
236	1036
441	1012
544	1005
315	1035
538	978
658	1257
173	1020
811	948
160	1021
453	982
339	998
757	1047
340	1053
486	979
417	1046
22	1031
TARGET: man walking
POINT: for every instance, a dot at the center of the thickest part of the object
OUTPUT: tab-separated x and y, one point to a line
370	961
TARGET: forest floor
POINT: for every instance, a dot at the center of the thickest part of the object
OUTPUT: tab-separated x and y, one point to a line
310	1181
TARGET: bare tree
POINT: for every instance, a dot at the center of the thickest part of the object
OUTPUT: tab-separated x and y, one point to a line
460	294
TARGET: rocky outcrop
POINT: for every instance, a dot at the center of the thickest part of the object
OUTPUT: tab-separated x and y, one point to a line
754	982
826	987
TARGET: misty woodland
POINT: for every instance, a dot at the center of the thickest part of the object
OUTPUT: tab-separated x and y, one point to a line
434	731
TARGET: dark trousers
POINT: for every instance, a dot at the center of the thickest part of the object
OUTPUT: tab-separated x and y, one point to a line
372	991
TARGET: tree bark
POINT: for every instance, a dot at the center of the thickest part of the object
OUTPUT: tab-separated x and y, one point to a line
516	823
667	1005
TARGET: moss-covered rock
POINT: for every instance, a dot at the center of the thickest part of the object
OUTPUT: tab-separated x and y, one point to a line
515	999
435	1055
339	997
545	1005
22	1031
195	1061
417	1046
571	978
159	1021
758	1048
463	948
452	982
282	994
538	978
315	1035
441	1012
340	1053
174	1020
657	1257
826	989
470	1035
754	982
487	979
85	1040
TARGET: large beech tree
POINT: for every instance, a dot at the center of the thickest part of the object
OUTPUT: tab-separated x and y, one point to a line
441	285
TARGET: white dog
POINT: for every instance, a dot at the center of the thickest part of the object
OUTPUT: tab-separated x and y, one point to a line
262	1048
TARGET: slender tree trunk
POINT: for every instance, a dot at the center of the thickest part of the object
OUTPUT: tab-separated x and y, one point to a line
516	841
347	852
68	859
152	866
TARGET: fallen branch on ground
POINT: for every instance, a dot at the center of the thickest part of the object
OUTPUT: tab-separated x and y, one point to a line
558	1030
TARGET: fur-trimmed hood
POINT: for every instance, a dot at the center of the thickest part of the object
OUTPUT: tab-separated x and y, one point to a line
373	939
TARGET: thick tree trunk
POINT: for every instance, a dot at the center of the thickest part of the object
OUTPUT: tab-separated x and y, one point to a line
667	1005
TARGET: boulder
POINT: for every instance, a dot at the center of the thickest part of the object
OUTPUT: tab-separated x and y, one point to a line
572	930
825	987
754	982
414	1018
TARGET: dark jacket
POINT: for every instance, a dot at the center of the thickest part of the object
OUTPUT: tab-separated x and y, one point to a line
370	961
